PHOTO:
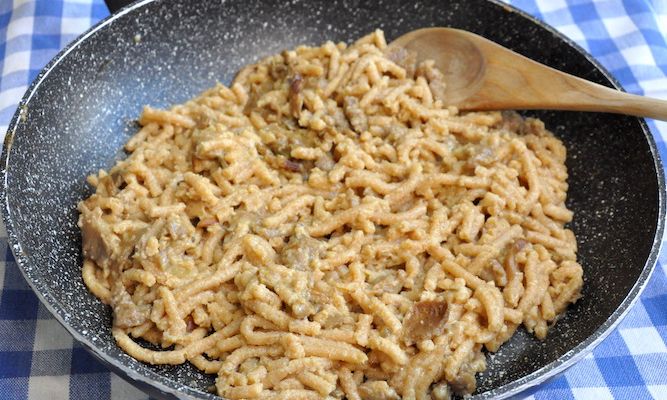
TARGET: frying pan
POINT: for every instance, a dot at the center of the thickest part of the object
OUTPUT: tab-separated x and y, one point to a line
81	108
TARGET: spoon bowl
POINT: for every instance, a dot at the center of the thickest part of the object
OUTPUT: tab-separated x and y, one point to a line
483	75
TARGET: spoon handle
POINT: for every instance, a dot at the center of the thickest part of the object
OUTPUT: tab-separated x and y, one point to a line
513	81
589	96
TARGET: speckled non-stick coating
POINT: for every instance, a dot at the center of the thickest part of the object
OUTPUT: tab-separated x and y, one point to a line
81	109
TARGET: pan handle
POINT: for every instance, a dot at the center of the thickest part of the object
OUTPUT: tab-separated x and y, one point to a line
115	5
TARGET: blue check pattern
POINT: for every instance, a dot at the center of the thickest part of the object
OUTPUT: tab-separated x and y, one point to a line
39	360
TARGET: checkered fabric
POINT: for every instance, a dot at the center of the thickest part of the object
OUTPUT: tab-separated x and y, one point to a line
38	359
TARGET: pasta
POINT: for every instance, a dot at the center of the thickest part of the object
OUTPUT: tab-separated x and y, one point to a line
326	227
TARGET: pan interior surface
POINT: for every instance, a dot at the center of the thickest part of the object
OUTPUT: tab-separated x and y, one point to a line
164	52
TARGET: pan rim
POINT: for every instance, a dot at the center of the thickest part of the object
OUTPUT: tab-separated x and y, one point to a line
157	381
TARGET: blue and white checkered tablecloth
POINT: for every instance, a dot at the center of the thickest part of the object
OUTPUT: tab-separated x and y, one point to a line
38	359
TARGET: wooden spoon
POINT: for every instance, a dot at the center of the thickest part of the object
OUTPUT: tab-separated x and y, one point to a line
482	75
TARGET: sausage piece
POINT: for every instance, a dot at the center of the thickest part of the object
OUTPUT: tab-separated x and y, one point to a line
425	320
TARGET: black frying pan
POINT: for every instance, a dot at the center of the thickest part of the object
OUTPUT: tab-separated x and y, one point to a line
80	110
